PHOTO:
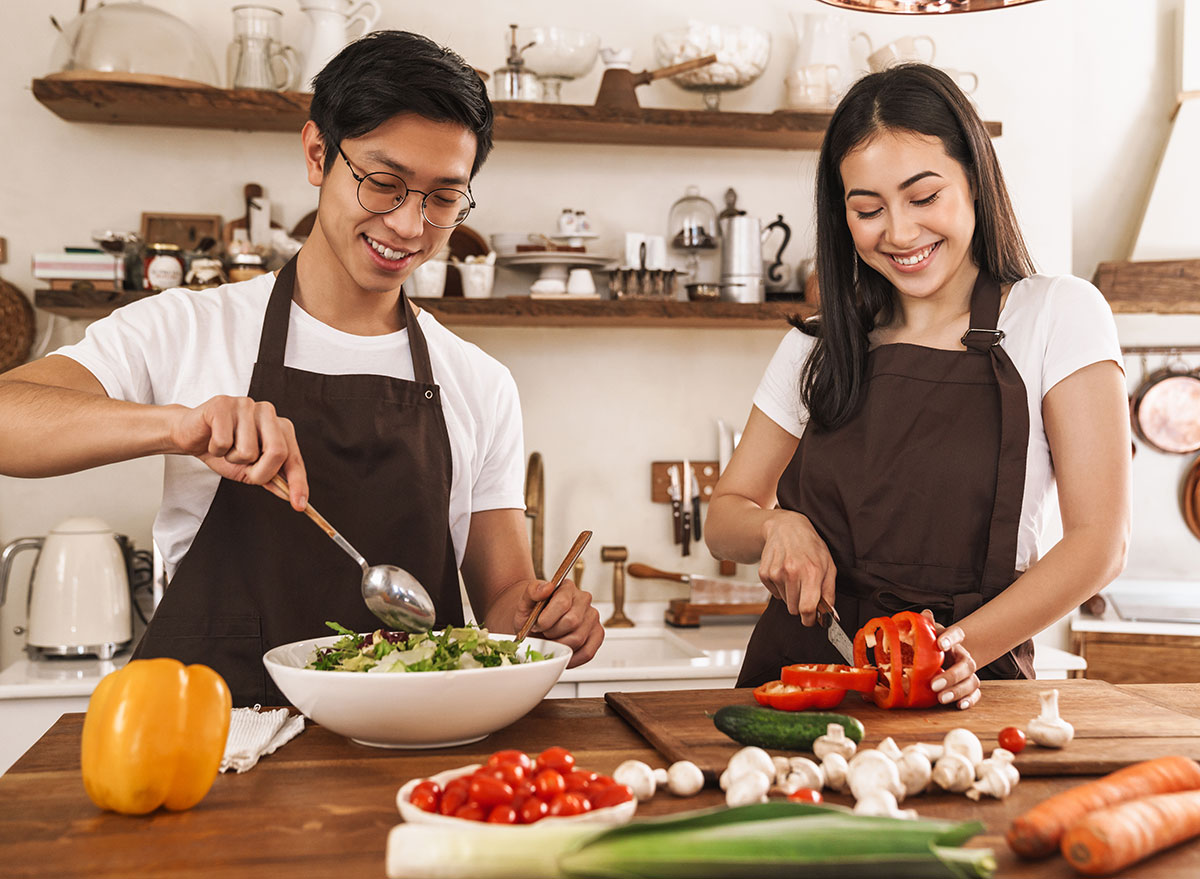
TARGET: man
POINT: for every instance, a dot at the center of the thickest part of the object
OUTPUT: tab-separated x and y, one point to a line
406	438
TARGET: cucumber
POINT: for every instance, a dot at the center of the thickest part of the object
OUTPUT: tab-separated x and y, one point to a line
784	730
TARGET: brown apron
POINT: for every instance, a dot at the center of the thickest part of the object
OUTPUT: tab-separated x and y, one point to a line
259	574
918	496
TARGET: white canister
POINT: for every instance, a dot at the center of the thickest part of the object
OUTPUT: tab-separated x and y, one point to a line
429	279
477	279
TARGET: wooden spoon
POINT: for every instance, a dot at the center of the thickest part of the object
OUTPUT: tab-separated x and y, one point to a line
580	542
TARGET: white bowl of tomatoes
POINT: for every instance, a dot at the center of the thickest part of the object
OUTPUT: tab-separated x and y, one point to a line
513	789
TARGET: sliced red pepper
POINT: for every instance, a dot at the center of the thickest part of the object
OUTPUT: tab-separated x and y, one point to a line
904	647
777	694
847	677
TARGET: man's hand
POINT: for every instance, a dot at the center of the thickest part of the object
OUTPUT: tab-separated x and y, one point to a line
568	617
243	440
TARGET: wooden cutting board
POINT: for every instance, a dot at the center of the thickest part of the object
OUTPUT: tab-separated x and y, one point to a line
1113	727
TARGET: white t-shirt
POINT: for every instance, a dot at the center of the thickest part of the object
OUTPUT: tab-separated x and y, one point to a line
1054	325
184	346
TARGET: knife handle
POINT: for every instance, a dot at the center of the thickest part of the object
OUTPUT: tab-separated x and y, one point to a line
696	516
687	533
677	520
646	572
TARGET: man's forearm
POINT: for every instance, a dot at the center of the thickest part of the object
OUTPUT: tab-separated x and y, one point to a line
49	431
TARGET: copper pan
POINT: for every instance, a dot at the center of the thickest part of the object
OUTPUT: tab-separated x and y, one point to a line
1190	498
1166	411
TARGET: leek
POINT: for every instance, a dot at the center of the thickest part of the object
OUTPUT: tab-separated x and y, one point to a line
760	841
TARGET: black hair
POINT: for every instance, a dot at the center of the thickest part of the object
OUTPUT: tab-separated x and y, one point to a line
854	297
388	73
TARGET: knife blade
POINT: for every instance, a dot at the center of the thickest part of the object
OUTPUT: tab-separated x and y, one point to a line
675	494
686	489
695	505
827	618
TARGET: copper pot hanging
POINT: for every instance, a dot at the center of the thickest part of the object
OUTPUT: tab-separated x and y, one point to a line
1165	410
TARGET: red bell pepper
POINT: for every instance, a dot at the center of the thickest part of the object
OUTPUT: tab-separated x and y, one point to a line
847	677
777	694
904	647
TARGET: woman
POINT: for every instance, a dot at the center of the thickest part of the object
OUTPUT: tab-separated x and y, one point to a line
912	433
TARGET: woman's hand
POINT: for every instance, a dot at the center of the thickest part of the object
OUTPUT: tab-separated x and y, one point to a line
796	565
958	681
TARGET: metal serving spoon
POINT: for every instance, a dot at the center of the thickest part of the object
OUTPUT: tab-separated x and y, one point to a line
392	594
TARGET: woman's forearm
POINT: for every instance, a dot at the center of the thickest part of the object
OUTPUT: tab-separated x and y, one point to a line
734	529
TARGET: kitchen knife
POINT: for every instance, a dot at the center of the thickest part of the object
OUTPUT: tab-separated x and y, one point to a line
686	490
827	618
695	505
675	494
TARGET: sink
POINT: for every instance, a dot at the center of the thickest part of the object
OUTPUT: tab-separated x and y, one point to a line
641	647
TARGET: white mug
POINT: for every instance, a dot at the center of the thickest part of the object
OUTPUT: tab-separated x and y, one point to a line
429	279
581	283
477	279
901	50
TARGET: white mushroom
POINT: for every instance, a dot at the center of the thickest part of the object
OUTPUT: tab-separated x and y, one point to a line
883	804
889	747
1048	729
834	768
953	772
749	787
638	777
933	752
782	768
835	741
870	771
684	778
660	777
964	742
915	770
751	758
804	774
997	776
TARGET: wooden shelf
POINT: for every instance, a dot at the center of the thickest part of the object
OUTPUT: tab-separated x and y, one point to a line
134	103
523	311
1169	286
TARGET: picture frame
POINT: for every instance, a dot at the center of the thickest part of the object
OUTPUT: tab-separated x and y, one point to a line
184	230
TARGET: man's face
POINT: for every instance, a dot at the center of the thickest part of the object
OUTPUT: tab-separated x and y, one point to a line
378	252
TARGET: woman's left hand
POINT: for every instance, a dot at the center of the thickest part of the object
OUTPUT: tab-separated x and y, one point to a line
958	682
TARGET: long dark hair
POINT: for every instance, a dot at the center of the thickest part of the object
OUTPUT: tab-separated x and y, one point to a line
854	297
387	73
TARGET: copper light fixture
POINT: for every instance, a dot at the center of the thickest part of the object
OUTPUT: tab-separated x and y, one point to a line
924	7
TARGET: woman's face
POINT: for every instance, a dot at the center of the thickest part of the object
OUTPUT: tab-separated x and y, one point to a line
911	213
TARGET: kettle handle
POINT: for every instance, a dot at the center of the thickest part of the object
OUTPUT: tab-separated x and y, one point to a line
787	236
6	559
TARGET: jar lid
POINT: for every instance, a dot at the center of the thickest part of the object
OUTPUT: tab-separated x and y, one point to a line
163	245
247	259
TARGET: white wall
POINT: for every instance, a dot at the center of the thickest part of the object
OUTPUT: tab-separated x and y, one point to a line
600	404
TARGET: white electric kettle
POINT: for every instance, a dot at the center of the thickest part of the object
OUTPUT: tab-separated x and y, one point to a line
331	25
79	601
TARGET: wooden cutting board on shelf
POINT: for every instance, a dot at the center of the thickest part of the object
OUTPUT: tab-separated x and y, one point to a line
1113	727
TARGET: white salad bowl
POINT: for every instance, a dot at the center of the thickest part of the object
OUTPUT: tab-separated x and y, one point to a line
426	709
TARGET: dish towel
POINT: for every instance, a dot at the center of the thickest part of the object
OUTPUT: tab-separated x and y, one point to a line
254	733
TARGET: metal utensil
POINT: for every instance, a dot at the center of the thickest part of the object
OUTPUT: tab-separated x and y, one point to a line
827	618
559	575
391	593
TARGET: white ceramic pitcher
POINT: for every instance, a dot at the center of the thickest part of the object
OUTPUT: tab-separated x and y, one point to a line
332	24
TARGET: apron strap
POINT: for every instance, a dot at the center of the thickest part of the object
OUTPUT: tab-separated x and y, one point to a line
422	368
984	337
273	341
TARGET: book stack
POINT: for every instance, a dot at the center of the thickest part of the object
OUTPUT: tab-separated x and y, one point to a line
80	269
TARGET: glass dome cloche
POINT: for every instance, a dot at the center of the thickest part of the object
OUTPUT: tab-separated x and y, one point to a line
131	40
693	222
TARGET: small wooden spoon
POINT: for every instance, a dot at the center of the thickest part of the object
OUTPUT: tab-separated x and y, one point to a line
580	542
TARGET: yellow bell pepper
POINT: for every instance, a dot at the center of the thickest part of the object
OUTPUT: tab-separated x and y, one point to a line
154	736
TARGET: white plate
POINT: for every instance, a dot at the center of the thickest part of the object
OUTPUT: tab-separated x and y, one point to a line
610	815
555	257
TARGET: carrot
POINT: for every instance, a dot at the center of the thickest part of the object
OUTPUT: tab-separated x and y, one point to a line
1106	841
1037	833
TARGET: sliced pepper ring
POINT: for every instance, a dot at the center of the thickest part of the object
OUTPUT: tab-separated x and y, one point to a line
785	697
846	677
904	647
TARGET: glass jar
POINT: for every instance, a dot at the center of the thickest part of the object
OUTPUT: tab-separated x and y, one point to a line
246	266
693	222
162	266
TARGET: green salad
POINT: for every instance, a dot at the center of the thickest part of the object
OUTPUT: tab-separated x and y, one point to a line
382	651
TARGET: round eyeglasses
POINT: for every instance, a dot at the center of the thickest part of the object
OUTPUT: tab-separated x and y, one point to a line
381	192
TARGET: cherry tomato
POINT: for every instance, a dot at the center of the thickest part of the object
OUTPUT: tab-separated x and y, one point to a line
806	795
523	790
559	759
1011	739
455	795
511	774
548	784
532	809
570	803
579	779
426	796
612	795
471	812
510	756
488	792
502	814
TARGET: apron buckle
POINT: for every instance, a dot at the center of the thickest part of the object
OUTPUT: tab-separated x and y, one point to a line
992	337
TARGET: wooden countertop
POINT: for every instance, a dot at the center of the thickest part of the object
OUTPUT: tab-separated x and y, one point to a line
322	806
